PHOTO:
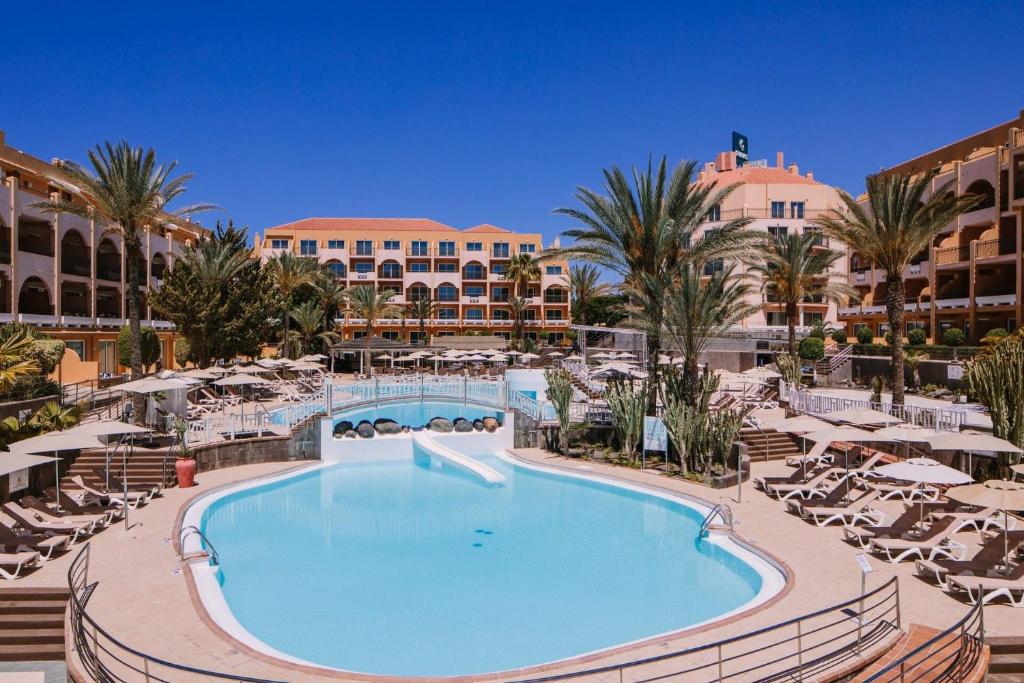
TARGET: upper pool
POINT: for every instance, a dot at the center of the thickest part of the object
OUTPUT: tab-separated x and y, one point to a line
394	566
417	413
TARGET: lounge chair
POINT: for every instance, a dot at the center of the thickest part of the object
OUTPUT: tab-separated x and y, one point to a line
838	493
98	519
855	512
979	520
818	455
990	556
809	489
798	476
11	564
46	546
81	507
117	484
900	526
134	499
989	588
903	491
34	522
936	541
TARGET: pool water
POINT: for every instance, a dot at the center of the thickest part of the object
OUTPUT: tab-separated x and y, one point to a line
400	568
417	414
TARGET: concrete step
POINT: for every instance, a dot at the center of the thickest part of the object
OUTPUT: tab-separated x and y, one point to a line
32	606
46	652
35	593
37	636
1006	644
1006	663
1004	678
30	622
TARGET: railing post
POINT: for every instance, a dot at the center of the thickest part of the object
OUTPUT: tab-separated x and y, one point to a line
376	390
799	651
720	678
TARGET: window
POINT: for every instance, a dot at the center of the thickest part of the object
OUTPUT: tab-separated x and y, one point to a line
419	248
418	293
778	209
553	314
392	245
553	270
778	230
447	268
363	267
530	314
447	293
446	248
555	296
775	318
359	334
278	244
473	271
715	266
813	317
417	337
474	246
391	335
78	346
107	358
819	239
500	250
474	314
447	313
419	267
364	248
555	337
335	244
473	290
500	314
498	268
499	294
337	269
391	270
715	213
796	209
527	248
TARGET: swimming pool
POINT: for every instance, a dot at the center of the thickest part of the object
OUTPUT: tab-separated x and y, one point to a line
417	414
394	566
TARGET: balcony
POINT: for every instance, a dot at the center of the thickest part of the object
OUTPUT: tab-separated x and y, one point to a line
111	322
501	321
6	317
362	278
478	299
158	324
996	300
860	277
77	321
361	250
952	303
991	249
952	256
37	319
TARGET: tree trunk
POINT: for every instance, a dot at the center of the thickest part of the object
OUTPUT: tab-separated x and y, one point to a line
791	314
895	298
135	330
286	341
653	351
423	332
369	331
691	376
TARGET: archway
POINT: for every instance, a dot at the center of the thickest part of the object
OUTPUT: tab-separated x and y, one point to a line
74	254
108	261
982	188
34	298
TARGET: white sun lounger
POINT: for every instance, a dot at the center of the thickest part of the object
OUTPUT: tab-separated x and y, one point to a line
11	564
857	512
936	542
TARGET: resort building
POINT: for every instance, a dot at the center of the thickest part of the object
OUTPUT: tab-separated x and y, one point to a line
461	271
970	276
66	275
781	201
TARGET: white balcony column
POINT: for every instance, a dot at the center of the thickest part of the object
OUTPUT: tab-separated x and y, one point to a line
12	183
92	265
58	284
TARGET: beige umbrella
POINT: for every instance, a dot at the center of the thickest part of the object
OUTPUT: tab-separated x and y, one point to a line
924	471
846	435
217	370
862	416
1019	469
151	385
625	354
556	354
251	369
197	373
801	424
905	433
512	352
314	357
238	380
994	493
765	373
971	441
54	442
603	354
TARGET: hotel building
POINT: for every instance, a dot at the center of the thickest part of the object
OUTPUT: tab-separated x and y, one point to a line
462	271
970	276
64	275
780	200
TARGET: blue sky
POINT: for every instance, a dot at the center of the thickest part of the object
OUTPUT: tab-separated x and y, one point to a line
493	112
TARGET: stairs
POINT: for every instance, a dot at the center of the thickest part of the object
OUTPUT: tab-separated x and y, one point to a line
769	444
1007	662
144	467
32	624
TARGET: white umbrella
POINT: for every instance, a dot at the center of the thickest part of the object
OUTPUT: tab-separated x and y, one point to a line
801	424
1019	469
556	354
528	356
197	373
971	441
406	358
420	354
239	380
924	471
994	493
475	358
250	369
217	370
499	358
151	385
625	354
314	357
385	356
763	372
906	432
54	442
306	367
111	428
603	354
513	353
862	416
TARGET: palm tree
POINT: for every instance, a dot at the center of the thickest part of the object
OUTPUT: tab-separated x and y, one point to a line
129	191
423	310
309	319
913	361
52	415
791	269
644	231
15	358
290	272
895	226
522	270
331	295
584	287
696	309
517	306
370	305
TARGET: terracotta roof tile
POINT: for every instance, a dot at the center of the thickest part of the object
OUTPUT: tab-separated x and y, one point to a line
754	175
486	227
366	224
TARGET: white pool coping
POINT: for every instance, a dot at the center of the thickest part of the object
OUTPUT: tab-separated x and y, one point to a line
773	577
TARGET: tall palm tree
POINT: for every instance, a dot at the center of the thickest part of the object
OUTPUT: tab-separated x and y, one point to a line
897	223
370	305
790	270
423	310
16	360
521	271
129	192
331	295
517	306
290	272
644	231
309	321
696	309
584	287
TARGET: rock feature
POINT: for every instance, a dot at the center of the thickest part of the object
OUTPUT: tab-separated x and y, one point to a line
490	423
478	425
365	429
440	424
342	428
463	425
386	426
351	434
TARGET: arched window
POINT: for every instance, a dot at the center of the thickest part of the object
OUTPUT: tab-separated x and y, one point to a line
419	292
982	188
447	292
34	298
337	269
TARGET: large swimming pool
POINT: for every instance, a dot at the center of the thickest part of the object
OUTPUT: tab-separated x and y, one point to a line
417	413
396	566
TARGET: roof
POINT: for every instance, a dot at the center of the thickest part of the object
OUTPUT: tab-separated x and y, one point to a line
757	175
366	224
486	227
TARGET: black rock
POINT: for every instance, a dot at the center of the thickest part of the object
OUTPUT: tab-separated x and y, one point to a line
365	429
385	426
463	425
342	427
440	424
478	425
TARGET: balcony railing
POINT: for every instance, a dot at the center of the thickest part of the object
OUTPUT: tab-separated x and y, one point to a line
808	214
953	303
996	300
950	255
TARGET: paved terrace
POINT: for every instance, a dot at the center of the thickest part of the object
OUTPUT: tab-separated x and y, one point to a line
146	601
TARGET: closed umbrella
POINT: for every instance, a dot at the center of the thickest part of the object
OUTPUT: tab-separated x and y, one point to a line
1007	496
924	471
862	416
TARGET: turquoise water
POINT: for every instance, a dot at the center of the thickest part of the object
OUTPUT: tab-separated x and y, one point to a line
394	567
417	414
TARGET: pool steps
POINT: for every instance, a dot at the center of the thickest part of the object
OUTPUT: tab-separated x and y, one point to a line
438	450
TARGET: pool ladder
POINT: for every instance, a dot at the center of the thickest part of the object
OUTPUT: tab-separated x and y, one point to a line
193	530
721	510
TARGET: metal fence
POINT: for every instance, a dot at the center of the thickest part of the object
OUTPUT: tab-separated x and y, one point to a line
930	418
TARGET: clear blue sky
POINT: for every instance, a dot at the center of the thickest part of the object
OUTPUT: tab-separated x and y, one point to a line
493	112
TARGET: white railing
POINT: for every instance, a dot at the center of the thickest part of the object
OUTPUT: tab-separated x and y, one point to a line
997	300
822	404
209	428
952	303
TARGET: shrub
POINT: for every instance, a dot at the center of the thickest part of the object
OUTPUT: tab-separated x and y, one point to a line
994	336
811	348
954	336
865	335
889	339
917	336
182	351
839	336
150	347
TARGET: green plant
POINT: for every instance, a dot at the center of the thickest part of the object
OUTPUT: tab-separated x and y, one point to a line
628	405
954	336
913	363
723	427
422	310
181	433
289	273
17	360
839	335
878	384
52	416
997	379
812	348
789	368
865	335
929	388
149	346
917	337
182	352
685	427
890	338
370	305
560	392
584	289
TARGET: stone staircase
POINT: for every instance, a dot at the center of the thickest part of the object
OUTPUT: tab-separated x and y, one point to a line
769	444
144	467
1007	662
32	624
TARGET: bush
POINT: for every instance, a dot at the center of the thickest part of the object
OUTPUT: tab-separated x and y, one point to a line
889	339
994	336
150	347
865	335
182	351
839	336
917	336
811	348
954	336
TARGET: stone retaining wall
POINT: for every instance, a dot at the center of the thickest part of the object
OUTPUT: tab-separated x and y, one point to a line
303	444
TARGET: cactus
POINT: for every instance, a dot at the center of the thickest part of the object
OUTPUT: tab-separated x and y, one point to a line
997	379
628	405
560	393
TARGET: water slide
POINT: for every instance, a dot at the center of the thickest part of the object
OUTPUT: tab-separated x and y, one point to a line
453	457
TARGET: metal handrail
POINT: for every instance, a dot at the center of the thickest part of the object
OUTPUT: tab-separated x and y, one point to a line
720	510
108	660
803	648
951	655
193	530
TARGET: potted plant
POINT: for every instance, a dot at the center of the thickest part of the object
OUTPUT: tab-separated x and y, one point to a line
185	462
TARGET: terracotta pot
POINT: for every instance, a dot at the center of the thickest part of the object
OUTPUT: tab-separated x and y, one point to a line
185	468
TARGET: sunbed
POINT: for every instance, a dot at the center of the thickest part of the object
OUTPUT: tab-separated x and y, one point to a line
817	455
979	520
989	588
11	564
903	491
990	556
46	546
34	522
98	519
855	512
900	526
117	484
134	498
936	541
809	489
81	507
798	476
838	493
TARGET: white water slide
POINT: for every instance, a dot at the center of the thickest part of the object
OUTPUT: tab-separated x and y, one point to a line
453	457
